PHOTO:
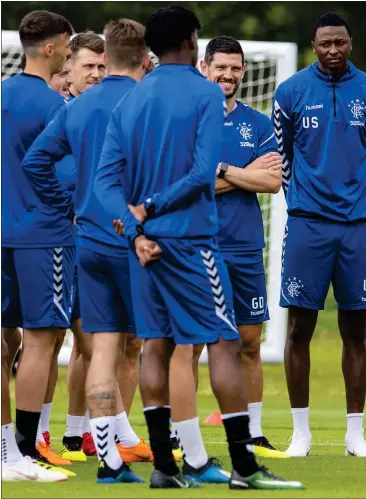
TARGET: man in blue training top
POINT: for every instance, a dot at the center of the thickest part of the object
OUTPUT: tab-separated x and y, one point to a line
37	242
249	164
87	69
102	259
87	62
163	144
319	116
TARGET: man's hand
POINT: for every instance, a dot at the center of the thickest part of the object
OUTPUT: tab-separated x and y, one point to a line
269	161
147	251
118	226
139	212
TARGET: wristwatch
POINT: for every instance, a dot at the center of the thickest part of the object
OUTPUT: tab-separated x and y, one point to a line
149	207
223	169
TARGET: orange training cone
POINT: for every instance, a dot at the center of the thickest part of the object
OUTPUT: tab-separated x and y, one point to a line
214	419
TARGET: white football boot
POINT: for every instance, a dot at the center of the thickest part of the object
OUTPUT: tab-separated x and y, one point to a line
27	470
300	445
355	446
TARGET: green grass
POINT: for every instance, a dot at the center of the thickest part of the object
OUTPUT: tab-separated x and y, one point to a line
327	473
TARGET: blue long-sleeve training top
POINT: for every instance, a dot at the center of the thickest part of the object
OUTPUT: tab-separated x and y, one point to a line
248	135
165	139
80	130
320	125
28	105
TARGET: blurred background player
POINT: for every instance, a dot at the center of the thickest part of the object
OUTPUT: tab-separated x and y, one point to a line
175	113
102	259
250	164
37	252
319	116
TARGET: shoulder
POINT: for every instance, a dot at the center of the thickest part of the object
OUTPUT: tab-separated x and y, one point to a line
297	81
255	115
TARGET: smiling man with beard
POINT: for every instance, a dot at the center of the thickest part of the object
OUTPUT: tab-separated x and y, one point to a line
250	164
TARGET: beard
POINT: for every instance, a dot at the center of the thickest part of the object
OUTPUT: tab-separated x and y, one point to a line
234	91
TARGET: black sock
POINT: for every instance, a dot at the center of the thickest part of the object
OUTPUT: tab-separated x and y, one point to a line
158	424
238	438
26	432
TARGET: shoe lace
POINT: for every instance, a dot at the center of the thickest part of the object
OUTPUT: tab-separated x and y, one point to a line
269	474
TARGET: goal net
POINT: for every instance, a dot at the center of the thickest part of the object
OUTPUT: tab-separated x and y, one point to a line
268	64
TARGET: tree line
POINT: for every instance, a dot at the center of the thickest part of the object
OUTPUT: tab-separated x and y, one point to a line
255	20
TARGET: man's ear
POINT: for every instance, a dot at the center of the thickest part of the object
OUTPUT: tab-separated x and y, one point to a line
105	59
48	49
204	68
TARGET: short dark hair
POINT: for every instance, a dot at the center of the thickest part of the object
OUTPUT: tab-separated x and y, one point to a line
87	40
224	44
40	25
330	19
124	43
168	27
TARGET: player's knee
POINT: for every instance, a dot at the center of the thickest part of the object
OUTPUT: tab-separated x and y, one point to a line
133	348
251	348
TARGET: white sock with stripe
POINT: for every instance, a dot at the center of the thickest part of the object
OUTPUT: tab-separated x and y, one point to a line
10	452
103	430
190	440
124	432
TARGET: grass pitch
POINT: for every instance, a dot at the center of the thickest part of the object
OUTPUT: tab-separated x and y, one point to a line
326	473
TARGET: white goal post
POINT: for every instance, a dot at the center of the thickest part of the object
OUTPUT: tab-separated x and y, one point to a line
268	64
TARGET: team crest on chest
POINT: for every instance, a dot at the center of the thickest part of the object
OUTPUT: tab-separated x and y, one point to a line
357	108
245	130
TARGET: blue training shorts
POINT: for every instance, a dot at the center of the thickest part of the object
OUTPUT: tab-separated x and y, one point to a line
75	314
37	287
186	295
248	280
105	294
317	253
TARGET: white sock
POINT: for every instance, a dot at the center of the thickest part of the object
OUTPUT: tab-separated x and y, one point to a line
9	450
301	421
255	419
125	434
74	426
45	417
86	427
190	440
39	437
103	430
355	425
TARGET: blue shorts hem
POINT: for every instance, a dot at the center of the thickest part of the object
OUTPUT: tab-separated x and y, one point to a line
45	325
300	304
11	325
358	306
106	329
151	335
252	320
